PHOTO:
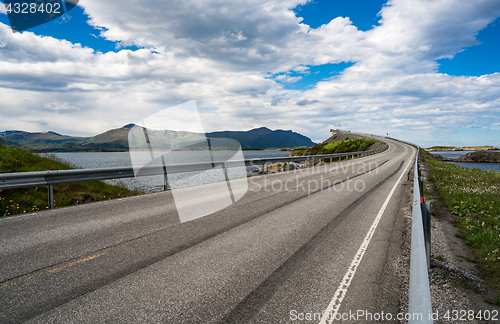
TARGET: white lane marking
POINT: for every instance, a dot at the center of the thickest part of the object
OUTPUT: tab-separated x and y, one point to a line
333	308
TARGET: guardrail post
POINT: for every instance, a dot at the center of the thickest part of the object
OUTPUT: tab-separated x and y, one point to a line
51	196
426	221
225	173
165	176
421	185
263	168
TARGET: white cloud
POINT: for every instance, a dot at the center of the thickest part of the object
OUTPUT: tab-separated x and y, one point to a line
59	106
236	36
221	54
287	78
306	102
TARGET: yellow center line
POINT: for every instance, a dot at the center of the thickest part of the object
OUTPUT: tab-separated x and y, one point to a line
76	262
68	265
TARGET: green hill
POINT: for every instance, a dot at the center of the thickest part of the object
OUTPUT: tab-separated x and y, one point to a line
117	140
340	143
39	141
265	138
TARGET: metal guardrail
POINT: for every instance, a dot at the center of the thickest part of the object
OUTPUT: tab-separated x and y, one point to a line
419	294
51	178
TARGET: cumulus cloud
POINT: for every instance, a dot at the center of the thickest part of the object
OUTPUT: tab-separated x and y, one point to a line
276	101
60	106
222	53
287	78
306	102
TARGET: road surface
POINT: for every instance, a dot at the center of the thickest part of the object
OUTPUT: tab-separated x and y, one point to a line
297	243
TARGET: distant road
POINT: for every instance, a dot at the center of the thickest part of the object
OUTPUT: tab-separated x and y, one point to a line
277	253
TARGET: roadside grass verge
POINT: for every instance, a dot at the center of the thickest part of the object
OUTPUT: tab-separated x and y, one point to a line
16	201
472	195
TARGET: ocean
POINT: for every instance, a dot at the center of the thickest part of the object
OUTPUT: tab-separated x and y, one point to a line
98	160
481	166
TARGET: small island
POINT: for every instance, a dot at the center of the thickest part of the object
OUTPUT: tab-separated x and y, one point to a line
479	157
464	148
474	157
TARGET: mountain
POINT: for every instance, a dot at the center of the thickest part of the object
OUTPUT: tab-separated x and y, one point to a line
9	132
38	141
117	139
264	138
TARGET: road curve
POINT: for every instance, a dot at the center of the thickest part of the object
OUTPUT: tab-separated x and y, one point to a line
296	244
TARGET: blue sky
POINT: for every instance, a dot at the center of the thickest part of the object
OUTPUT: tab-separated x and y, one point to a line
422	71
363	14
74	27
479	59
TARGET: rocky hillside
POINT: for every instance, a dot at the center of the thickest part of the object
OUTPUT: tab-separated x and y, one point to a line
479	157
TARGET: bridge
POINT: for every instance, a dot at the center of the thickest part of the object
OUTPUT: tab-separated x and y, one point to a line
298	243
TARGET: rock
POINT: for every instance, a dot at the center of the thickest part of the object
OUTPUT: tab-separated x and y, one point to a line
440	157
479	157
276	167
281	167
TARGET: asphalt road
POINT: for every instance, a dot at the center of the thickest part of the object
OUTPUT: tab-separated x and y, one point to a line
297	243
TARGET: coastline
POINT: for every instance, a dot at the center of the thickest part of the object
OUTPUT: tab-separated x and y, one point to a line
464	148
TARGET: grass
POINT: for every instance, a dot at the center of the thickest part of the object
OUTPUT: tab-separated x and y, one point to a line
463	285
440	257
466	258
16	201
293	148
472	195
493	301
438	148
346	146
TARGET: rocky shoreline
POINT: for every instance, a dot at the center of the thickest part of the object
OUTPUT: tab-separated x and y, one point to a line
465	148
281	167
475	157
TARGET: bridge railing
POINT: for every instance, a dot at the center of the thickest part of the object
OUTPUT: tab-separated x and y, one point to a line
51	178
419	294
420	256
